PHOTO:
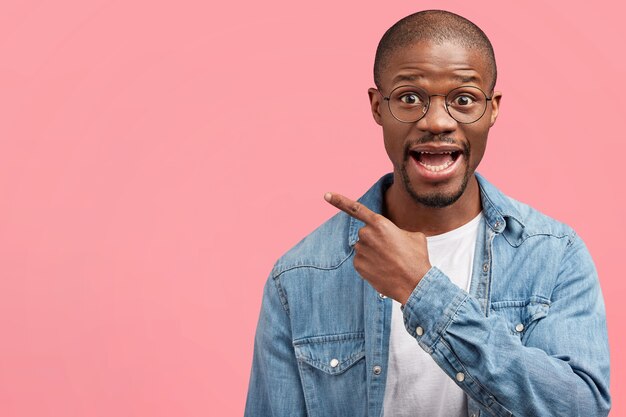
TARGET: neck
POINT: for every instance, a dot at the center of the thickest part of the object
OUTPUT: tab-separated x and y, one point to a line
409	215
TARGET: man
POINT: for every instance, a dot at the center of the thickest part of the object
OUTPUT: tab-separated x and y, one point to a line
435	295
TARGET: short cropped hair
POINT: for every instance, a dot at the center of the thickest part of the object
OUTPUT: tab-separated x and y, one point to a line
437	26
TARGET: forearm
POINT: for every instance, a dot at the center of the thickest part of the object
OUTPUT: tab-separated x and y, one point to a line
495	366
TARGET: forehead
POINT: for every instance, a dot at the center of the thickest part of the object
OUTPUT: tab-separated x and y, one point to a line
427	63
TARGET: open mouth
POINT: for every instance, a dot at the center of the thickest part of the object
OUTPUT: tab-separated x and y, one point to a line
435	161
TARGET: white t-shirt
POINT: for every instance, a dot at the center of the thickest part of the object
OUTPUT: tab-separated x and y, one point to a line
416	386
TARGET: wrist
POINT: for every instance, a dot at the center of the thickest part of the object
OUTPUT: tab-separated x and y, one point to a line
412	283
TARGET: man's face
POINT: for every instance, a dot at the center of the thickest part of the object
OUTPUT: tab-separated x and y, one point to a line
435	157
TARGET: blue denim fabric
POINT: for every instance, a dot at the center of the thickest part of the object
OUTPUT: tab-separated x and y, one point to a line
528	340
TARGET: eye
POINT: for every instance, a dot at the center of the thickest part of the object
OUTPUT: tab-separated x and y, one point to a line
410	98
463	100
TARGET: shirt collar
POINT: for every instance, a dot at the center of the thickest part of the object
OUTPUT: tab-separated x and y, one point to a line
498	210
500	214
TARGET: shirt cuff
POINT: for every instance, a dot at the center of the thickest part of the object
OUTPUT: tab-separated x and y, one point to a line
431	307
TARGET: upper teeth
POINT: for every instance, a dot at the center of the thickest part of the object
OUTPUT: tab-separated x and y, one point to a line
437	153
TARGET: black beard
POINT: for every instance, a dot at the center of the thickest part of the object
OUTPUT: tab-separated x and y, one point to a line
436	199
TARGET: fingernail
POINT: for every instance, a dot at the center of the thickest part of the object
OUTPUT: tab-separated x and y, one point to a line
327	197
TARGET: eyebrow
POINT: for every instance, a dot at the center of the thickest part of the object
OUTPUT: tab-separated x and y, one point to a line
403	77
467	78
412	77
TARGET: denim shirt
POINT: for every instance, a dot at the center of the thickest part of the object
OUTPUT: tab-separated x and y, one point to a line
529	339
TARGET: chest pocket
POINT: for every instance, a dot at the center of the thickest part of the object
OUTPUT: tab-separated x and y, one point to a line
521	316
333	354
332	370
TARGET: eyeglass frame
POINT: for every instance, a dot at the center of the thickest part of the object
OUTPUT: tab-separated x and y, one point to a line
445	102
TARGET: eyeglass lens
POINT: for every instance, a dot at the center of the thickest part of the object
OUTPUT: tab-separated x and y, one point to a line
464	104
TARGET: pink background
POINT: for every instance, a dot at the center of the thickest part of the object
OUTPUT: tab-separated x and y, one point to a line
157	157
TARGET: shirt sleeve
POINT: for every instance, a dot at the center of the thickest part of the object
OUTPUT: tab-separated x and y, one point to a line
274	389
560	369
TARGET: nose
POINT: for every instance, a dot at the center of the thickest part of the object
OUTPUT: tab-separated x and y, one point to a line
437	120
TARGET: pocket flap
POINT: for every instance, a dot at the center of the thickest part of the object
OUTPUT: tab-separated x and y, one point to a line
333	354
522	314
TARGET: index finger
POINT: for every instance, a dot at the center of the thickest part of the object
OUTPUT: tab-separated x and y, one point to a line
350	207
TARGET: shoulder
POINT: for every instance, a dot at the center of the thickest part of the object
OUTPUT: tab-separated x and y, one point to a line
538	223
327	247
522	220
330	245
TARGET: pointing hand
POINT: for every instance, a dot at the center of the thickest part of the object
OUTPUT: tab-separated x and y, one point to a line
392	260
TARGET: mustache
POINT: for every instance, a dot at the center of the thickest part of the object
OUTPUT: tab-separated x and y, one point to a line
430	138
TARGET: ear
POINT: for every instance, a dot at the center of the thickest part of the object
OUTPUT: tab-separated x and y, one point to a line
495	107
376	101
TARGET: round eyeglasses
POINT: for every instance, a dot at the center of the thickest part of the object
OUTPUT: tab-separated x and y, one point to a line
465	104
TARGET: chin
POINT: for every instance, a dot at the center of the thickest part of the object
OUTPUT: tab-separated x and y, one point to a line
436	198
